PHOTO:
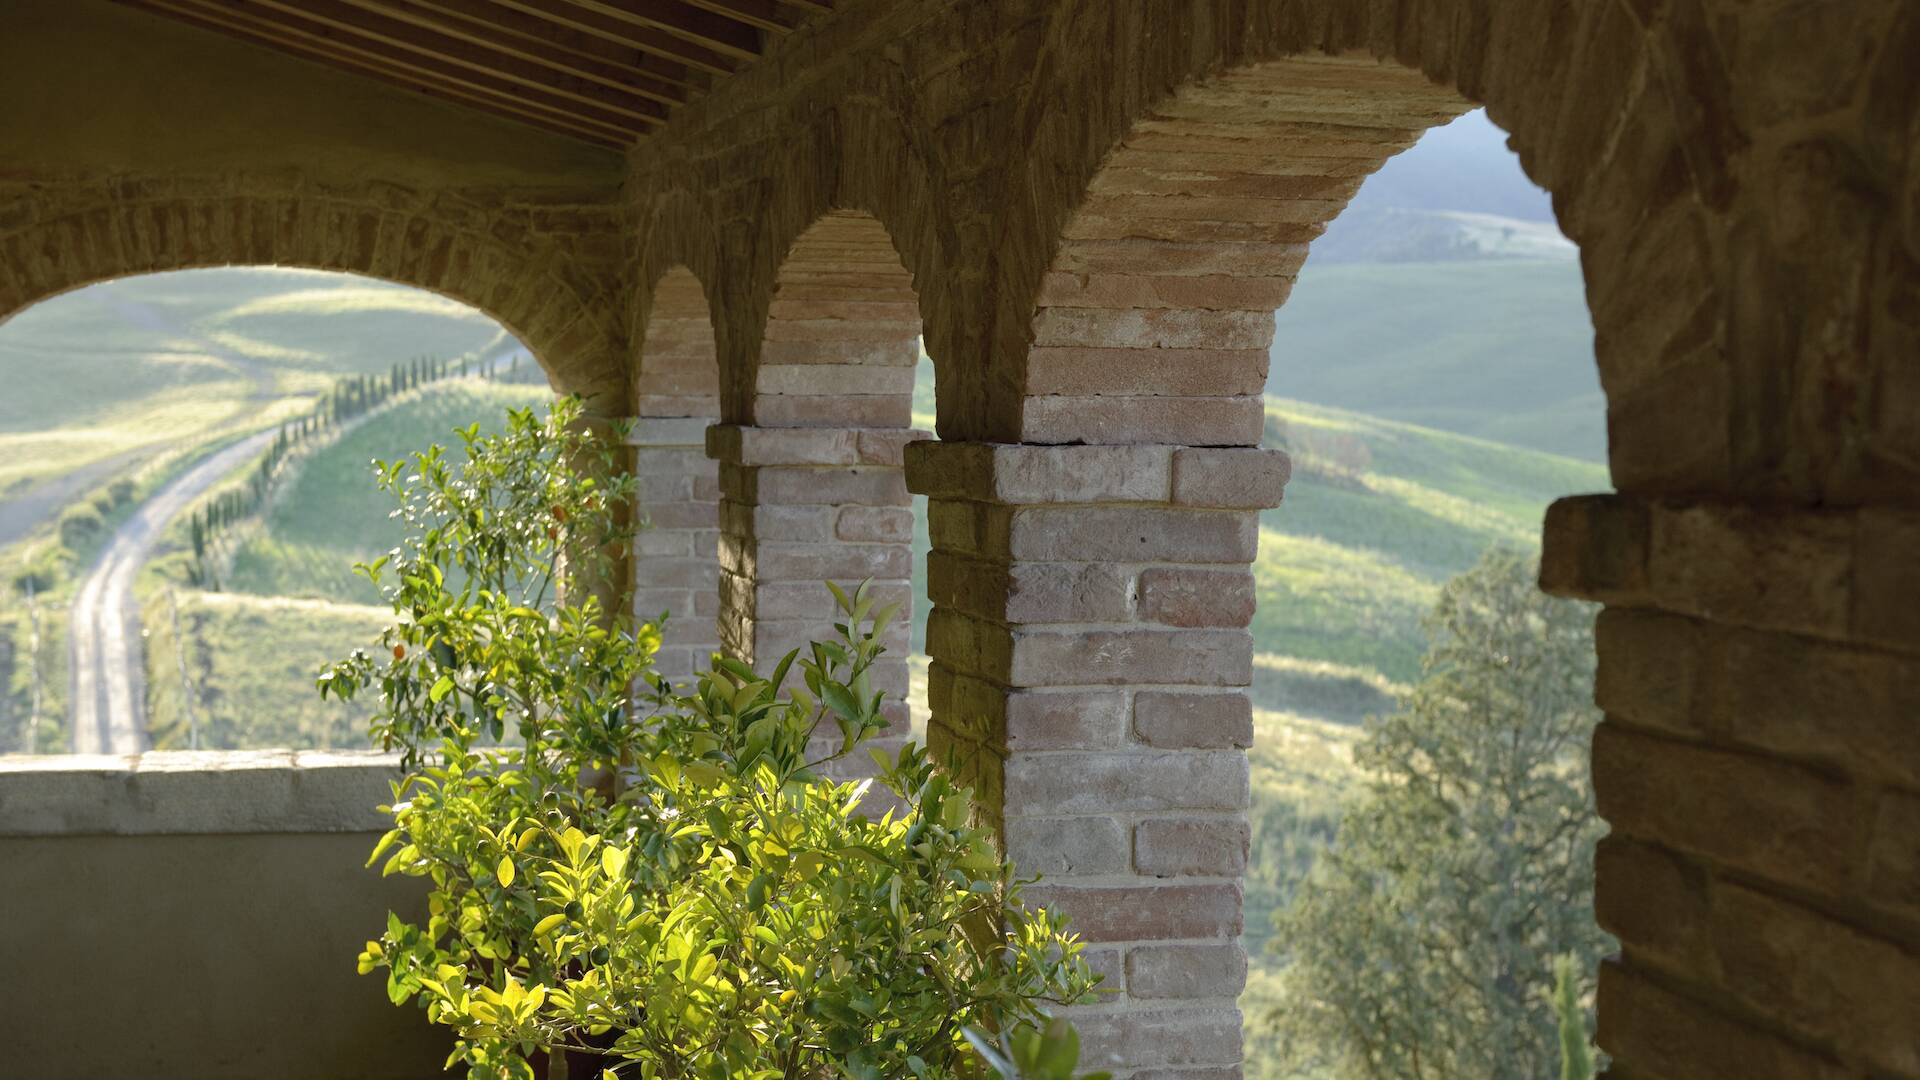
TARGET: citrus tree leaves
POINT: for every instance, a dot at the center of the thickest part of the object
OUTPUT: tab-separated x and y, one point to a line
662	873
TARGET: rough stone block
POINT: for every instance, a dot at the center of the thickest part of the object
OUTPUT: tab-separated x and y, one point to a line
1186	971
1822	978
1650	668
1893	856
1067	846
1785	823
1132	534
1191	847
1114	657
1652	900
1250	479
1193	597
876	524
1595	548
1193	1044
1652	1031
1146	912
1175	720
861	485
1172	421
1065	719
1076	371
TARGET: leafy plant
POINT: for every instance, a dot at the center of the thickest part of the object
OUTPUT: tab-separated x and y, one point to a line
660	880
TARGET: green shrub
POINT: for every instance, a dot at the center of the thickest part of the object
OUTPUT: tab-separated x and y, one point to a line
662	881
80	525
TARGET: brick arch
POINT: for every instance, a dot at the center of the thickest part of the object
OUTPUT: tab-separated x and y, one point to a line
1153	320
559	307
814	488
857	155
1618	126
842	333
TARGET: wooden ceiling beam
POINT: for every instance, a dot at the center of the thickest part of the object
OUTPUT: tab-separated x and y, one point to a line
716	32
626	33
383	35
410	73
564	40
438	16
759	14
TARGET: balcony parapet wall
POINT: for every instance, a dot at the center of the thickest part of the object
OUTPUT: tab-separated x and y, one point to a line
186	793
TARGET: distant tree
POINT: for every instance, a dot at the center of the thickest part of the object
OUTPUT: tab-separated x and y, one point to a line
1422	945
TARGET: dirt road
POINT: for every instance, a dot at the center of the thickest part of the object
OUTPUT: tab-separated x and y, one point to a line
109	698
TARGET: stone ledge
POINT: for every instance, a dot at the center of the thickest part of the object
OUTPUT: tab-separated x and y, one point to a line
1844	574
196	792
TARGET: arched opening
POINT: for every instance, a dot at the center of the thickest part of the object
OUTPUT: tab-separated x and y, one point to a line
676	398
814	488
1116	648
188	492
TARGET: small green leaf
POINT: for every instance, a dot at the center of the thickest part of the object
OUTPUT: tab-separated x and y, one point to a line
440	689
505	870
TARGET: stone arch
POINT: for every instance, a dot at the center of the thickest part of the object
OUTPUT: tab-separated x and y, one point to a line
814	488
1171	199
1604	130
1153	320
842	333
560	306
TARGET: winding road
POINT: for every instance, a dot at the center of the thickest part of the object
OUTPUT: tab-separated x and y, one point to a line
105	659
109	695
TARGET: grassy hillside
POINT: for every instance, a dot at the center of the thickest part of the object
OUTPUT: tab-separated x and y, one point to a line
163	357
329	515
251	663
1347	567
1501	349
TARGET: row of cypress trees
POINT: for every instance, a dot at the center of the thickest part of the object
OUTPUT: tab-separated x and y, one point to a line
348	399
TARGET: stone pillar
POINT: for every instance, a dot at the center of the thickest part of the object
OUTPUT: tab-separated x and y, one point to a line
1090	655
1759	766
675	568
801	507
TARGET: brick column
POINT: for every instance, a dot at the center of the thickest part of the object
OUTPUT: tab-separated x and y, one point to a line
1759	667
801	507
675	567
1090	657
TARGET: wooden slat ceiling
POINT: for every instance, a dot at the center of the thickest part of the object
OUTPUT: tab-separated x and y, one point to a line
606	71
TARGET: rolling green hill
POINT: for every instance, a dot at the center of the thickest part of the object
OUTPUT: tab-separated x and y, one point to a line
1498	348
1347	566
328	515
164	357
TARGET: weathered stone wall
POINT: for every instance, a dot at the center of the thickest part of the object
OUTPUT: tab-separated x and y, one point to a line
1096	206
